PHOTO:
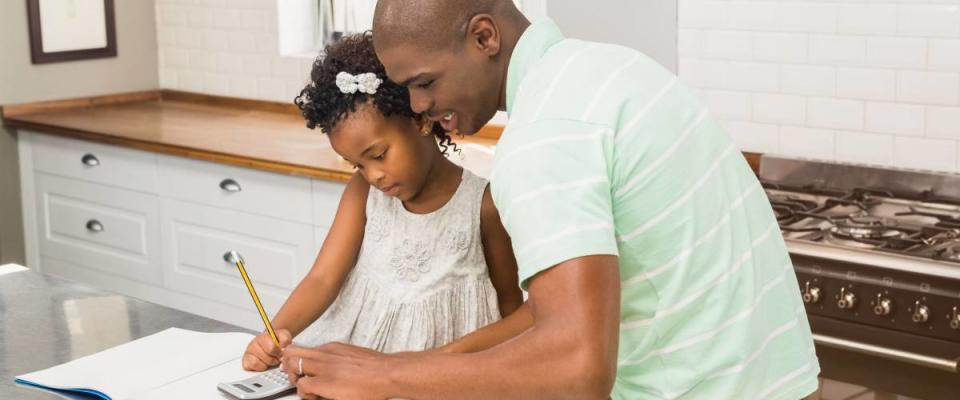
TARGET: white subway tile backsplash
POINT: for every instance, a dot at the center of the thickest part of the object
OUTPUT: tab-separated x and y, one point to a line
945	54
929	20
865	148
760	138
929	154
254	64
835	113
780	47
735	45
870	81
728	105
689	42
752	15
928	87
229	63
216	40
168	77
808	80
899	119
867	19
807	142
943	122
896	52
837	50
203	60
216	84
807	17
703	14
173	57
779	109
190	81
868	84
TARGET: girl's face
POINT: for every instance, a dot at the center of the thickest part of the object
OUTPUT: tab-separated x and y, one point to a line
390	153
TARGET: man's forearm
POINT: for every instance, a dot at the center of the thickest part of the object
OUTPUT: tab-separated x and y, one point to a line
536	364
570	352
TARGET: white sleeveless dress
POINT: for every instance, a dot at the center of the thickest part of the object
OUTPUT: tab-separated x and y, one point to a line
421	280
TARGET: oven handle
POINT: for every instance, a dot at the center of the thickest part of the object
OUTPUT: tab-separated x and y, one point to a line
942	364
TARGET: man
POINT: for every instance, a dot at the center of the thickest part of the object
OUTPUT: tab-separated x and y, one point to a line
652	259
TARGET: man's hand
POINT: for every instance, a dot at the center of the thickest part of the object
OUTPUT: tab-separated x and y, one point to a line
337	371
262	353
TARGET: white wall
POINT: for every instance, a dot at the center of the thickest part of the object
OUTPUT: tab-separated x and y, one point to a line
646	25
873	82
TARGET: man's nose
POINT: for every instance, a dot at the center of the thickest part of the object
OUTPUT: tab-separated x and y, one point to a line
419	102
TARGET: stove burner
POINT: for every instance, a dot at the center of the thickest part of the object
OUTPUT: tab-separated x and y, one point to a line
949	253
865	227
789	209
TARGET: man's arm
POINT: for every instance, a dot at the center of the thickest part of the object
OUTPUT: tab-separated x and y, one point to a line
569	352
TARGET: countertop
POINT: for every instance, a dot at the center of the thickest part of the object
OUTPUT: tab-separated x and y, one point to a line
249	133
46	321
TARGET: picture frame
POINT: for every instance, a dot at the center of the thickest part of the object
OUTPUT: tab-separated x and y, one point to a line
69	30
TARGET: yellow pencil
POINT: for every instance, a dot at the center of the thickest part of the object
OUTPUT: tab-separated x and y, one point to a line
253	293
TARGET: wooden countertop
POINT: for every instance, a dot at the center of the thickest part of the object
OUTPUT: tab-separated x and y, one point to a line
250	133
262	135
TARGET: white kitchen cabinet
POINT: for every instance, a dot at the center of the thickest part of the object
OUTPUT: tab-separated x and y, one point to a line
93	162
100	227
156	227
242	189
196	239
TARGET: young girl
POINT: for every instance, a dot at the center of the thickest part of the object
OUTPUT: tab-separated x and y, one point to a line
417	256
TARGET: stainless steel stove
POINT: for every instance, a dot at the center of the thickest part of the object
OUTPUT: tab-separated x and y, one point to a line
877	255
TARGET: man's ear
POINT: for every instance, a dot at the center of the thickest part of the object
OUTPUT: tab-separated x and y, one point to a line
484	34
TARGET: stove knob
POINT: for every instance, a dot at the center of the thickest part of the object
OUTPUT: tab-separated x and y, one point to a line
811	294
883	306
955	321
847	300
921	313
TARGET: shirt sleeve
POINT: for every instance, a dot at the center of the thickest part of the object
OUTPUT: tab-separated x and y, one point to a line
551	184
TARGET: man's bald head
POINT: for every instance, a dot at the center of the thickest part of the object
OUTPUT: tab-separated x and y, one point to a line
434	24
452	55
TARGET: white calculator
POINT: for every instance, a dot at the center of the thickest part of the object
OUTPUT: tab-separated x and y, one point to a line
268	385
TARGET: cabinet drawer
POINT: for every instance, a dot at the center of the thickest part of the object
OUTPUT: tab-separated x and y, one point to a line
326	199
99	227
110	165
236	188
277	253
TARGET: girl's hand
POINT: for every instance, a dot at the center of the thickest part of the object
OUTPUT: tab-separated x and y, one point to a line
262	353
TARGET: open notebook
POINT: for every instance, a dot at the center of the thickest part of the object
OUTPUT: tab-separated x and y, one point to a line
175	363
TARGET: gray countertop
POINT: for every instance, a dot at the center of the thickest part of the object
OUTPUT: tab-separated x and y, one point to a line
46	321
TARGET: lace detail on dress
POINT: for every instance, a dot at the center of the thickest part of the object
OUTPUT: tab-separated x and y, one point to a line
456	241
410	260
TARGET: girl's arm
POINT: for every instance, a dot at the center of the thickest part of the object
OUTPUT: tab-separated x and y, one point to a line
499	254
336	259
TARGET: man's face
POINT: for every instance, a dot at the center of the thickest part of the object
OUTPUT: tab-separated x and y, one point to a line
458	86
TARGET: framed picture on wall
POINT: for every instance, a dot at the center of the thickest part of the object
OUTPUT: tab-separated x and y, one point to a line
67	30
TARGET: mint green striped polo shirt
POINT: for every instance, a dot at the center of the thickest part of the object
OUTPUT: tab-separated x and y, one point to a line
606	153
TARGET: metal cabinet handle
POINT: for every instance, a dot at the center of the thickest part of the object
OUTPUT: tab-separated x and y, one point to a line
94	226
90	160
230	185
890	354
232	256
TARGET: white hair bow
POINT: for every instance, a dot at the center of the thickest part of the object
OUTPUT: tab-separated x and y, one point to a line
364	83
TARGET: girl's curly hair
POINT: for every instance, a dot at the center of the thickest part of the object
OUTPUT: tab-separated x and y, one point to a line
324	105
